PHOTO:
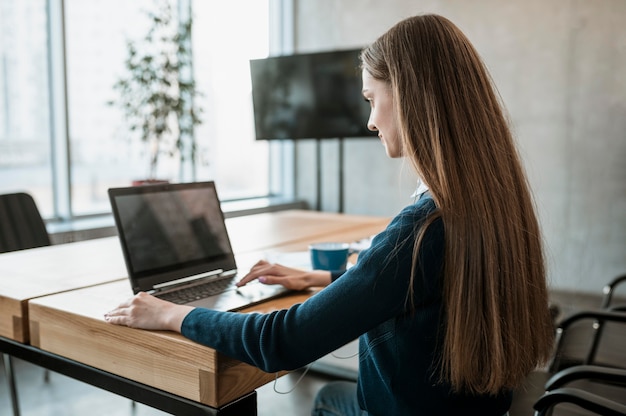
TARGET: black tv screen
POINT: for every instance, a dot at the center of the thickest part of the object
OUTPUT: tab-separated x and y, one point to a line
309	96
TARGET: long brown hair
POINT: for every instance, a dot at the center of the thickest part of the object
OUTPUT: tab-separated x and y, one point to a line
454	131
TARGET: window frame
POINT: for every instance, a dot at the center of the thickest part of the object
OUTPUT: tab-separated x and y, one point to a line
281	153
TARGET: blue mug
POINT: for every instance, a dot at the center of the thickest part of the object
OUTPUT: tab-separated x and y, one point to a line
329	256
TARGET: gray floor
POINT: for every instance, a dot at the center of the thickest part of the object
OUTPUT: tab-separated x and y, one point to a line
67	397
63	396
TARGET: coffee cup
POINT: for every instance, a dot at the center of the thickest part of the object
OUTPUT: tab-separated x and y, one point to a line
329	256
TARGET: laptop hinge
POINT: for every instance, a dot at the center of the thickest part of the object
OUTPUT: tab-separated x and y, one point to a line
178	282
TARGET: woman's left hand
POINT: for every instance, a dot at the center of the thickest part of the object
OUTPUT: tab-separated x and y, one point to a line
148	312
289	277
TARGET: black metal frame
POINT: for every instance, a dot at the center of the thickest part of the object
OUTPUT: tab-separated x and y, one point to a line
122	386
340	174
557	391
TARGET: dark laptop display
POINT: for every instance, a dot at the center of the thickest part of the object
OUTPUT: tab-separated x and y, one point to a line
174	235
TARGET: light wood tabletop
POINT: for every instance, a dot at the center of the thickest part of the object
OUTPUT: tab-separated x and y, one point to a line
296	227
57	296
29	274
71	324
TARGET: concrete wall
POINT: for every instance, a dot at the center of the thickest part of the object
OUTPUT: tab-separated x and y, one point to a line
560	66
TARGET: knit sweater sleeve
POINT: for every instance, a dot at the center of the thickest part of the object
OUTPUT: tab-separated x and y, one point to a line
369	293
335	274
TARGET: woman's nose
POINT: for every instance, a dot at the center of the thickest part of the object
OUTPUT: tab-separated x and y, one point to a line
371	126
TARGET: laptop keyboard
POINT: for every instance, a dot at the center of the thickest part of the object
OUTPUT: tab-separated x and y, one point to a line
201	291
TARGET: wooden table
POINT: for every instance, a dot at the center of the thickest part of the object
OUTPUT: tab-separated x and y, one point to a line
30	274
71	324
298	228
57	296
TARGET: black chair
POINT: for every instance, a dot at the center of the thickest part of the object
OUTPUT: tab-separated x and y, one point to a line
599	394
595	394
21	227
583	341
605	344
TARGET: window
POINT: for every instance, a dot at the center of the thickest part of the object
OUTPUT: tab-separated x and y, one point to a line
60	139
25	153
100	155
223	44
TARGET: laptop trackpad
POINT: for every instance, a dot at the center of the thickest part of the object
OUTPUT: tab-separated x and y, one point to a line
244	296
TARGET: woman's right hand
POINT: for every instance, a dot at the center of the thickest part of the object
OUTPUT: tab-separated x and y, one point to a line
289	277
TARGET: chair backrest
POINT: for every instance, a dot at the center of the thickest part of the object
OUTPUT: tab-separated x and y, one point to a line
21	225
593	337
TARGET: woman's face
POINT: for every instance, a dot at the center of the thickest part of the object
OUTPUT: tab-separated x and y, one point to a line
382	118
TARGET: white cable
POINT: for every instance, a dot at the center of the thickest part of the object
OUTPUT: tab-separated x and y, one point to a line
306	370
345	357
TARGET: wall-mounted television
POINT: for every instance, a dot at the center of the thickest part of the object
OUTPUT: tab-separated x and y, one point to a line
309	96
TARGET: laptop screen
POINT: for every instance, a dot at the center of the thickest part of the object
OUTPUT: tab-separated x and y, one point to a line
170	231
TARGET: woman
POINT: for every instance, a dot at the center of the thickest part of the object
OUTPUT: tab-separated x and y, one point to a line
450	301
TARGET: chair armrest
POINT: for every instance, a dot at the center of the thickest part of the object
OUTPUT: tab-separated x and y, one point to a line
589	401
599	316
589	372
608	290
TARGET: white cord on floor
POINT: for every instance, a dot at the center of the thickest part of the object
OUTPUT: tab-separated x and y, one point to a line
346	357
306	370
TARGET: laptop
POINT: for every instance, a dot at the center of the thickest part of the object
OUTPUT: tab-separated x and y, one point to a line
176	246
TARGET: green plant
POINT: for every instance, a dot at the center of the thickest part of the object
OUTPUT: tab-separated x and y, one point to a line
158	93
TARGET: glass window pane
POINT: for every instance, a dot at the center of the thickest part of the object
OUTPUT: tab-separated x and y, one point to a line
227	34
24	96
103	155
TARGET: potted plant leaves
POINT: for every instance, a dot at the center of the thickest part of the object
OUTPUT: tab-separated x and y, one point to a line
157	94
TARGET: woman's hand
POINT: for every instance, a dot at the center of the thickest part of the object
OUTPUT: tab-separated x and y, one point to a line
147	312
291	278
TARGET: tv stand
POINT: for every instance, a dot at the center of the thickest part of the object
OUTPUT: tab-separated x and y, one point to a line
340	174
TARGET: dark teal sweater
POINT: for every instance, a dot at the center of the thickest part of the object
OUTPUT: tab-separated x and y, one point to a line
398	348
